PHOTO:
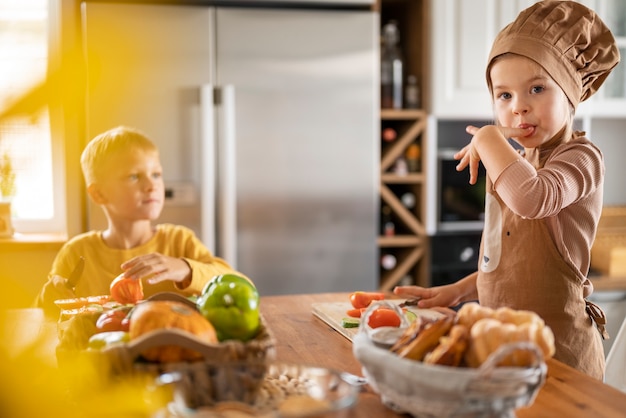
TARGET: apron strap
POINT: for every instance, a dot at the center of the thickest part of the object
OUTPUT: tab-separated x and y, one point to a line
598	317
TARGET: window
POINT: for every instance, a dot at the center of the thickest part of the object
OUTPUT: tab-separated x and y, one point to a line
37	205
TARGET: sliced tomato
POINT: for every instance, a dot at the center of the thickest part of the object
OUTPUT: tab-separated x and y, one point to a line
355	313
384	317
126	290
362	299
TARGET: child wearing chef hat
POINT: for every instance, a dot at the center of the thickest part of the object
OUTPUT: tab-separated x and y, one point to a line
543	204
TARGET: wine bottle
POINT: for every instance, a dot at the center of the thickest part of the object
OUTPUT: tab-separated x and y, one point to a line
388	262
412	93
389	134
413	156
401	167
408	200
388	227
391	68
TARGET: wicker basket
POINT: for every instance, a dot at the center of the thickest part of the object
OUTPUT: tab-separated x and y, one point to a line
424	390
229	371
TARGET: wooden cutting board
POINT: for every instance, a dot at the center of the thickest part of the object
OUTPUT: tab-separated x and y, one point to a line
333	312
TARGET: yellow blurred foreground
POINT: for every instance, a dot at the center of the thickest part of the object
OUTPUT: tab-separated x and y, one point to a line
32	384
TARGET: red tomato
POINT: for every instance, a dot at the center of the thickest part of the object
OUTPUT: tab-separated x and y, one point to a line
363	299
125	290
384	317
355	313
113	320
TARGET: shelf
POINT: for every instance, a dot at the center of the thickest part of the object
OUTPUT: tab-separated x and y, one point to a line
402	114
408	218
410	244
400	241
410	247
400	145
411	178
391	278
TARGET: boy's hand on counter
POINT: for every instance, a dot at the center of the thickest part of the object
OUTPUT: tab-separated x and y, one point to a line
158	267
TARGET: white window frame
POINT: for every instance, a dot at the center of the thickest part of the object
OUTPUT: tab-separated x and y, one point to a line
57	224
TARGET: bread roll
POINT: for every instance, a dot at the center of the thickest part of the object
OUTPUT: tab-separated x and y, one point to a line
488	334
517	317
471	312
473	335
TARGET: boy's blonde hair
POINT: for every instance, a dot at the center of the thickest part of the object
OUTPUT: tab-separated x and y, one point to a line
108	144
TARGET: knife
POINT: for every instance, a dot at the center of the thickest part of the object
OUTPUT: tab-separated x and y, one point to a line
410	302
72	281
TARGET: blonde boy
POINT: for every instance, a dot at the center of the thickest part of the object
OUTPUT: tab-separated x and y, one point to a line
123	174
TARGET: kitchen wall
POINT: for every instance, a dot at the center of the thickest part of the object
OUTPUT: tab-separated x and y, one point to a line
24	269
608	135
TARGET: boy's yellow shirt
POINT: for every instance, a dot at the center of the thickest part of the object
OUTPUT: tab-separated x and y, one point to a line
102	263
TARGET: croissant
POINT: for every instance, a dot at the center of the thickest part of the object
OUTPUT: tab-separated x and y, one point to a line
426	340
451	347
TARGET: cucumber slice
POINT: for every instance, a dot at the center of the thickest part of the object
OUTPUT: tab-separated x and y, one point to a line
350	322
410	316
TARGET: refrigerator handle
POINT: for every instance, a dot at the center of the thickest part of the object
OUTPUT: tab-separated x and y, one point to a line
226	181
208	179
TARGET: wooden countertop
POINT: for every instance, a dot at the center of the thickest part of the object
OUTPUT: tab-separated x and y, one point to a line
303	338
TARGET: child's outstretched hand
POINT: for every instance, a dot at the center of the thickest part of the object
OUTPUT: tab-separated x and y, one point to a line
431	297
160	267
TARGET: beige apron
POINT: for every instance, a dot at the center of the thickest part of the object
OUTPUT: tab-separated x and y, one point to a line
520	267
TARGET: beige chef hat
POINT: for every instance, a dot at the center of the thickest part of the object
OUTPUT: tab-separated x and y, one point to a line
567	39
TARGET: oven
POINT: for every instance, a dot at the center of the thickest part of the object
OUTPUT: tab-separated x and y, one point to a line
456	211
460	205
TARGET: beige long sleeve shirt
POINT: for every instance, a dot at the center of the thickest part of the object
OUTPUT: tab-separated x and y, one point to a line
564	185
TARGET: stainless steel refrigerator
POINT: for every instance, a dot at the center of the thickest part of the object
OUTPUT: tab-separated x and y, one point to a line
266	119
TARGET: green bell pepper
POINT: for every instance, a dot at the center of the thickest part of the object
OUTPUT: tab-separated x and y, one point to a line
231	304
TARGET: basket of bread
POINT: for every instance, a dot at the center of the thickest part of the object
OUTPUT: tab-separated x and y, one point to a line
217	351
479	362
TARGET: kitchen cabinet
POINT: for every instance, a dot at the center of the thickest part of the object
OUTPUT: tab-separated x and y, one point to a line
462	34
610	100
404	248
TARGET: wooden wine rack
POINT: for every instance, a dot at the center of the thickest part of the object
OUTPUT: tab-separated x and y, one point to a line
410	243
